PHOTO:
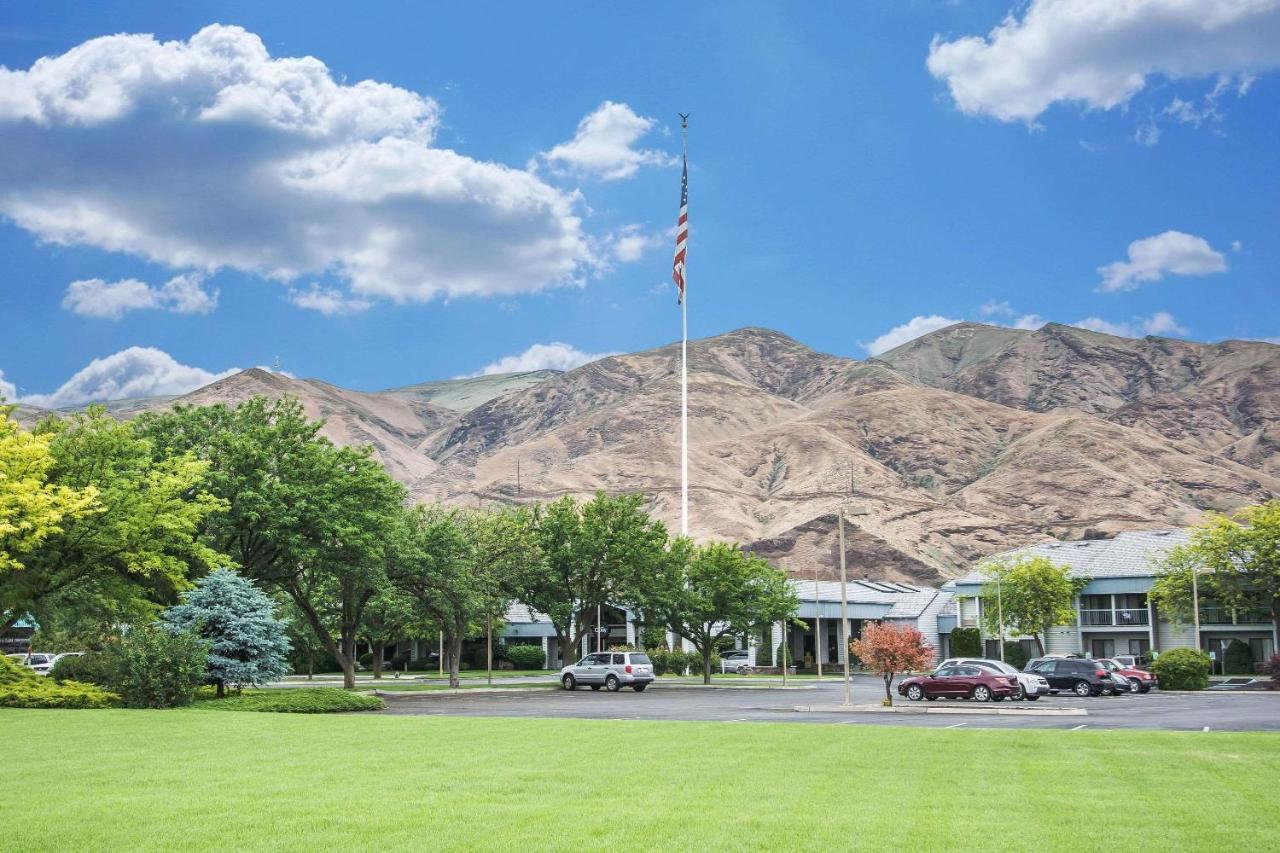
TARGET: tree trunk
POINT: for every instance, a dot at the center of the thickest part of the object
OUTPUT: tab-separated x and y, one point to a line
888	680
706	664
222	689
311	663
377	658
1039	644
347	659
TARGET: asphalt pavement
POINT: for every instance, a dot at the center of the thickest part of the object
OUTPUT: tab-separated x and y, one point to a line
1211	710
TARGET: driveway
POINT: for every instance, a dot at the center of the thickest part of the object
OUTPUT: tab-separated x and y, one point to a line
1217	711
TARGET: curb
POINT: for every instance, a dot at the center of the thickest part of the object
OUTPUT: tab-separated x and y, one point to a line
458	691
910	709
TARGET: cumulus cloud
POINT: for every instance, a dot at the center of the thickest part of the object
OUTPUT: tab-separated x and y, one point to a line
327	301
8	391
183	294
992	309
552	356
210	153
604	145
134	372
632	242
1151	258
908	331
1159	323
1101	53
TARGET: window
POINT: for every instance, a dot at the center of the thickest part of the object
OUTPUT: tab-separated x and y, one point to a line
1103	648
619	659
947	671
643	659
1139	648
1095	610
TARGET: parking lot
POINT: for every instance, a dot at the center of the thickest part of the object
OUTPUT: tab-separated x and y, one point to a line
1216	711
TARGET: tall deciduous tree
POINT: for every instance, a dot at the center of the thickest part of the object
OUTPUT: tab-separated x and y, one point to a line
715	591
139	544
1240	555
247	643
590	554
889	650
1031	594
387	618
301	515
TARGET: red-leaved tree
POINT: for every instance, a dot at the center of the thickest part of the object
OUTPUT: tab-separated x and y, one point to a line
888	650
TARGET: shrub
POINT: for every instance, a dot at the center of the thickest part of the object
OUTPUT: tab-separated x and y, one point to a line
365	660
22	688
525	656
764	655
1275	671
92	668
966	643
297	700
1182	669
157	669
782	653
424	663
1014	654
1238	658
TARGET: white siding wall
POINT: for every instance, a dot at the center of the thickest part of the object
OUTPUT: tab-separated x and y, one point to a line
1063	640
968	612
1171	636
927	624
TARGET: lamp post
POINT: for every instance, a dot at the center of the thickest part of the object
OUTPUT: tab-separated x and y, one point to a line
844	611
817	625
1000	616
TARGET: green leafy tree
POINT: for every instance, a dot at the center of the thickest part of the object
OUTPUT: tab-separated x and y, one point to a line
388	617
32	507
140	545
300	515
1171	591
1032	593
710	592
966	643
1240	558
247	643
588	554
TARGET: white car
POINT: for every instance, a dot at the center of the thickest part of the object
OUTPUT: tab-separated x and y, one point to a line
735	660
38	662
1033	686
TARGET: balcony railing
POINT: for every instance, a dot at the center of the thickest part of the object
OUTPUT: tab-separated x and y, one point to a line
1121	616
1227	616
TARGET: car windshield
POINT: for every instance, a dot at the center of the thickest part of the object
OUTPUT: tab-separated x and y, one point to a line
1000	666
640	659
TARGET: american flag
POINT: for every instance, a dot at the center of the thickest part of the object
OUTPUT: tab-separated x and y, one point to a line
682	234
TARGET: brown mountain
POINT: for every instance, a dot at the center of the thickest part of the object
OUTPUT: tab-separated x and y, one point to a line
961	443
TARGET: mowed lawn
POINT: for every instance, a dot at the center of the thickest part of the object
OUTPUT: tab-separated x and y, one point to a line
188	780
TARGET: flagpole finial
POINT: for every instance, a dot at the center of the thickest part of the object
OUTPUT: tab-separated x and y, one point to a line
684	120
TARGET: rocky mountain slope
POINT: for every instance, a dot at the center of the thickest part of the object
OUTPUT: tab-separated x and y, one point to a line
964	442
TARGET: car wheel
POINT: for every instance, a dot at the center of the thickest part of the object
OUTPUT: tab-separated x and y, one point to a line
1144	688
982	693
569	682
1082	689
639	688
742	670
613	683
1022	692
1032	698
915	693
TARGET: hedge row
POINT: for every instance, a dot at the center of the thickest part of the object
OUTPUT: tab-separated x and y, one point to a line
22	688
296	700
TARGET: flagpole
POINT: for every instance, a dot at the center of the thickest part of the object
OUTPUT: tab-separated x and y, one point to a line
684	371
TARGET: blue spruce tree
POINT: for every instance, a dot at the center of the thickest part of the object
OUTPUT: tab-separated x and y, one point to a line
247	643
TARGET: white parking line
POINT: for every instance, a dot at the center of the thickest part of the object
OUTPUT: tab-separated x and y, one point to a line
957	725
1079	727
1206	728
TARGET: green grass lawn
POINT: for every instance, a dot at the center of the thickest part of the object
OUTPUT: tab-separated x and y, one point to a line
193	780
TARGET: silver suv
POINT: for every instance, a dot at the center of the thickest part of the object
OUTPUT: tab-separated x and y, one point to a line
613	670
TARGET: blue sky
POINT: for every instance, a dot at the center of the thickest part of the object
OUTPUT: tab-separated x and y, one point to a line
507	179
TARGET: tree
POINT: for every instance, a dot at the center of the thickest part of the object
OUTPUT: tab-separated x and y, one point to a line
435	558
31	507
1032	594
710	592
588	554
889	649
1171	591
247	643
387	617
1240	555
300	515
966	643
139	546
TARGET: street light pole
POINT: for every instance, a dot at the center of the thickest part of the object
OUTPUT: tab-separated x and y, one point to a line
1195	605
844	611
817	627
1000	616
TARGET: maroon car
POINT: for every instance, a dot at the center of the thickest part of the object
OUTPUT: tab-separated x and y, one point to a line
960	682
1140	677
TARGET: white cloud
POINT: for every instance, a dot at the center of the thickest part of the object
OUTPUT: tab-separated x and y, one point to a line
210	153
631	243
1030	322
327	301
552	356
183	294
991	308
8	391
1100	53
1150	258
908	331
1159	323
134	372
604	145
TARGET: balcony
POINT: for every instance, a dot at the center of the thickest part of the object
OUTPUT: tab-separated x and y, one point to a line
1121	617
1216	615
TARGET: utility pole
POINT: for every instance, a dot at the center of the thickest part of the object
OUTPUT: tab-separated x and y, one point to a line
488	646
817	625
844	610
1000	616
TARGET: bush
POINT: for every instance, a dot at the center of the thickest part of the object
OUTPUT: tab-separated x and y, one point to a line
1238	658
782	653
652	637
764	656
966	643
157	669
525	656
1014	654
1275	671
1182	669
424	663
22	688
365	660
298	700
91	668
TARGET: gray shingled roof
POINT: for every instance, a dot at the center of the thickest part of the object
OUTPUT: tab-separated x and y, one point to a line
906	601
1129	554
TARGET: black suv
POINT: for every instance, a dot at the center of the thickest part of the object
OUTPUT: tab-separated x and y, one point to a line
1080	676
